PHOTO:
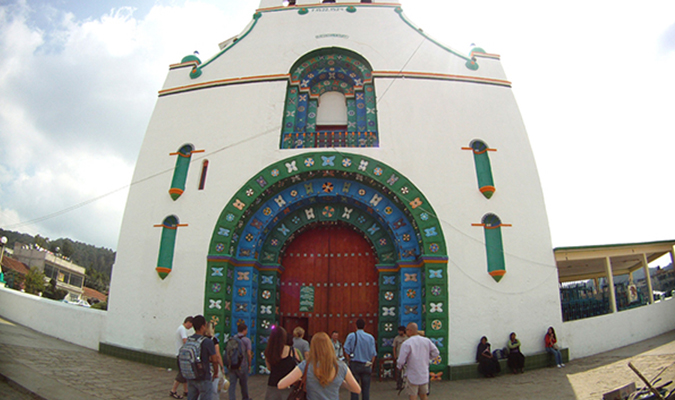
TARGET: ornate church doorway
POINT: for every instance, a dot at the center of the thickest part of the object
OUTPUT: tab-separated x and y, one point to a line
329	281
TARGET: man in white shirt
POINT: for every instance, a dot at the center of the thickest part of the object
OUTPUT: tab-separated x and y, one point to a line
180	339
416	352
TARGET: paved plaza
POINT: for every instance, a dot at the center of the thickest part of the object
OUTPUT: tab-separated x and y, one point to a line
33	365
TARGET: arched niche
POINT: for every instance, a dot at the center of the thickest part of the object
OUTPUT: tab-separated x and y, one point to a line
320	187
334	71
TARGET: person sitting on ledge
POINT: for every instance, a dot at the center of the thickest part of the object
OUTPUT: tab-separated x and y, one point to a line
551	343
516	359
488	365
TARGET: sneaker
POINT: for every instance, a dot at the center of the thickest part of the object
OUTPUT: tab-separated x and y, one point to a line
562	365
559	366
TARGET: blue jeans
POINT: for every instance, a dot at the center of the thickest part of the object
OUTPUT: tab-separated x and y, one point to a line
556	353
200	389
362	374
240	374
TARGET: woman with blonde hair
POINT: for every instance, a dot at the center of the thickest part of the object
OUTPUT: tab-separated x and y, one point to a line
325	373
299	343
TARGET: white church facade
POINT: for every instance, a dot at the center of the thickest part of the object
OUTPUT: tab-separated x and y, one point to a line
331	163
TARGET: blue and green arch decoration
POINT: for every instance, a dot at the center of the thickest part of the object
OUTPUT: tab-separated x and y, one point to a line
300	192
330	69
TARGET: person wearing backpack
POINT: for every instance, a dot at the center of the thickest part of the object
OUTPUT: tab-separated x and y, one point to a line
237	359
194	359
180	337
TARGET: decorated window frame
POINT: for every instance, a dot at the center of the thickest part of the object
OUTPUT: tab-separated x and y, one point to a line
330	70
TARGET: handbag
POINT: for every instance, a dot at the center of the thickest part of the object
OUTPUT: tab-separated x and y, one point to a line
223	383
298	391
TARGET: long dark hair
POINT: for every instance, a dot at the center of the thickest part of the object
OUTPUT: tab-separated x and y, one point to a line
275	345
552	331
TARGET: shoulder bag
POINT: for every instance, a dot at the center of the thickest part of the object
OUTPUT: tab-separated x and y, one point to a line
298	390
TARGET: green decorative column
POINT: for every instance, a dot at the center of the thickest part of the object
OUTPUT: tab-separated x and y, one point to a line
268	304
218	297
437	321
389	310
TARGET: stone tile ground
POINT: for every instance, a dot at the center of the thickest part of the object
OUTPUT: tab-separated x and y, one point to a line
54	370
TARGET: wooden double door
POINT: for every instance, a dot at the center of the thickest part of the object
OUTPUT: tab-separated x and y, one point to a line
329	281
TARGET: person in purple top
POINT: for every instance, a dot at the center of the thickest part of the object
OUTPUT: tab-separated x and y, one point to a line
415	354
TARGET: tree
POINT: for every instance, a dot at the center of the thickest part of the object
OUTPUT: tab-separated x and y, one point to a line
96	280
42	242
13	279
67	248
34	282
88	256
52	292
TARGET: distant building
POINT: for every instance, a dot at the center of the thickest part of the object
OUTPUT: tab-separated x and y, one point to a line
93	296
16	268
587	272
664	279
68	276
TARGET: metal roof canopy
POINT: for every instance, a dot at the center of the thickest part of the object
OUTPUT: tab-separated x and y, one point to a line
588	262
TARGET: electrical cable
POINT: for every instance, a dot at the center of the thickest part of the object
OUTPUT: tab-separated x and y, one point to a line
269	131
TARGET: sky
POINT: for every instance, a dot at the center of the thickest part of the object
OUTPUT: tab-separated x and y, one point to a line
594	81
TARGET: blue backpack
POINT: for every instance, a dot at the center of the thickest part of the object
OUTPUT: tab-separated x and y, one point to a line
190	359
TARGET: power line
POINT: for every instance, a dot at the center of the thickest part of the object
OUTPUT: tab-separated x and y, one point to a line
275	129
92	200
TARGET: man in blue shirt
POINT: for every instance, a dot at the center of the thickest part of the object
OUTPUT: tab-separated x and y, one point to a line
360	350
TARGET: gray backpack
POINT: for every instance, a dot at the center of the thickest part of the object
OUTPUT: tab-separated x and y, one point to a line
190	359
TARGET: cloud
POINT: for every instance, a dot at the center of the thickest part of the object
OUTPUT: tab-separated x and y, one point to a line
76	96
667	41
77	89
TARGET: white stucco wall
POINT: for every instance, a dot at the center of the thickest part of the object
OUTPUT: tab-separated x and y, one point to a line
75	324
584	337
423	125
595	335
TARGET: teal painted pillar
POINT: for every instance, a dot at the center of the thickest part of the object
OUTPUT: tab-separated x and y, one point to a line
180	171
483	168
494	246
166	246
